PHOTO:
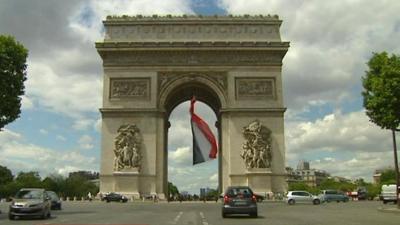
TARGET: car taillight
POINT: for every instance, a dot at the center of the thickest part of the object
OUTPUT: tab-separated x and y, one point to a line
253	198
226	199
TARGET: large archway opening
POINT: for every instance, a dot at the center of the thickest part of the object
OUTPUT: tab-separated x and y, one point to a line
191	180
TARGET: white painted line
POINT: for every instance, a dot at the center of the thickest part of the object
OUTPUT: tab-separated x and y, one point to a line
203	219
202	215
177	218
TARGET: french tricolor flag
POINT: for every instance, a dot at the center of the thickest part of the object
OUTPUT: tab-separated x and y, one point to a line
204	143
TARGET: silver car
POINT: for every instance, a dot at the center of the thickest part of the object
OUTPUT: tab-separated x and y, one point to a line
30	202
302	197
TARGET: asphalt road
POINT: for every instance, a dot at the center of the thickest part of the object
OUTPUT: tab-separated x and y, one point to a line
276	213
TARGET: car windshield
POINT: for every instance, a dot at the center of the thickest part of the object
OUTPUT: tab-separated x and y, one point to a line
29	194
52	195
234	192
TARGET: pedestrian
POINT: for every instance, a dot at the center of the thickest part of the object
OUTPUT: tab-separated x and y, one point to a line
89	196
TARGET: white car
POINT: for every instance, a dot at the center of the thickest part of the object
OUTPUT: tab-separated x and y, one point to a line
302	197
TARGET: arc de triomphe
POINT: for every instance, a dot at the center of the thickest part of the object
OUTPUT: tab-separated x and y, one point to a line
152	64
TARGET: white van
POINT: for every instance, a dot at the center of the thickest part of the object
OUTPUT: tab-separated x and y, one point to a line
388	193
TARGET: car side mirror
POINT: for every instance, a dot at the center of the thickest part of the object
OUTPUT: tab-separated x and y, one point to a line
47	198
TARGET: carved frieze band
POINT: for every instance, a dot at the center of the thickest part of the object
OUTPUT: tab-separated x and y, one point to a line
193	31
254	88
187	58
129	88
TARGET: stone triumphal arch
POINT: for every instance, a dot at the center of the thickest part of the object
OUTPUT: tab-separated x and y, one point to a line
152	64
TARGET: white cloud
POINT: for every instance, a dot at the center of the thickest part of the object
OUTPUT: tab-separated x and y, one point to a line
214	178
43	131
71	94
337	133
20	156
181	155
61	138
86	142
363	164
342	144
329	46
83	123
8	136
26	103
97	125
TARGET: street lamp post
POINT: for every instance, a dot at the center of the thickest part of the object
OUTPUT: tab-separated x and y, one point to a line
396	167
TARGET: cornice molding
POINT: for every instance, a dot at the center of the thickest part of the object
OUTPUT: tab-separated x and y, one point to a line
192	45
188	18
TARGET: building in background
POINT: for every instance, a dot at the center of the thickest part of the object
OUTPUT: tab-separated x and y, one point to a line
304	173
204	192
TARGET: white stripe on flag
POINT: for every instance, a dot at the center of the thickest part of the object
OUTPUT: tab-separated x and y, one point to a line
202	143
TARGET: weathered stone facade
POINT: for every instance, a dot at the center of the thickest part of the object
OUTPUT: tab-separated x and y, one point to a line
233	64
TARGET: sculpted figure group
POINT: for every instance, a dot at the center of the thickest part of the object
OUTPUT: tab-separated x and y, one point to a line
257	152
127	148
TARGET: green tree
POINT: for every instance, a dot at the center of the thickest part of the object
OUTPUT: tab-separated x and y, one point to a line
9	190
388	177
382	96
172	189
5	175
12	76
79	186
29	179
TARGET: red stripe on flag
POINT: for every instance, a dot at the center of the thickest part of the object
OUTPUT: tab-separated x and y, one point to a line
205	129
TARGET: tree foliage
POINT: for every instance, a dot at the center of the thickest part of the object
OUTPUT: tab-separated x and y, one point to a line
29	179
5	175
76	185
382	90
12	76
388	176
172	189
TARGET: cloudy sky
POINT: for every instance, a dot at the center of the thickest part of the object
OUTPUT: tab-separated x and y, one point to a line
325	123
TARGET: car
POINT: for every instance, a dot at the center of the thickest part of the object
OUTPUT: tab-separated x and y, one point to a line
362	193
239	200
259	198
302	197
112	196
388	193
54	199
30	202
333	196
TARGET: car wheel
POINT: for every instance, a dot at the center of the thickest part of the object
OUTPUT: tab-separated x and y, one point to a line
291	202
316	202
223	215
48	214
11	217
254	215
384	202
43	216
107	201
337	201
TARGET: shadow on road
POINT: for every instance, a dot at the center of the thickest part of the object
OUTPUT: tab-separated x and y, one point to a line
243	217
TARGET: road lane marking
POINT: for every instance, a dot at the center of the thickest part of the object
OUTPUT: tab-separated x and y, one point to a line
202	215
203	219
177	218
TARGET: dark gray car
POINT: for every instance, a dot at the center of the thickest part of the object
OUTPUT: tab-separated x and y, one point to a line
239	200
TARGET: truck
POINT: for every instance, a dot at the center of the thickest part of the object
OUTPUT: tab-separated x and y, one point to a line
388	193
